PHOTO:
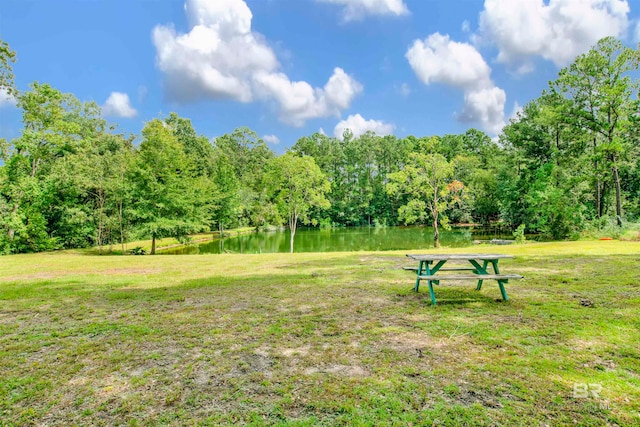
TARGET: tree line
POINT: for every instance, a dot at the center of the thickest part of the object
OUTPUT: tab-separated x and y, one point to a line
569	159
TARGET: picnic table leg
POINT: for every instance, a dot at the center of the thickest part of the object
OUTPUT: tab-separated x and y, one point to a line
501	283
424	268
431	271
433	296
482	270
418	273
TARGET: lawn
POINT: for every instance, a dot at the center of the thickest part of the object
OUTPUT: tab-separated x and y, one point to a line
319	339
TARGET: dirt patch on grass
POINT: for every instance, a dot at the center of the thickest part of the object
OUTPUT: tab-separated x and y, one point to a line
112	386
416	340
470	397
128	271
54	274
387	263
582	345
339	370
299	351
33	276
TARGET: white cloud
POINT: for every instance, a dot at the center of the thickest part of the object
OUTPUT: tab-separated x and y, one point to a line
438	59
466	26
6	99
485	106
359	126
357	9
637	33
557	30
118	105
271	139
222	58
298	101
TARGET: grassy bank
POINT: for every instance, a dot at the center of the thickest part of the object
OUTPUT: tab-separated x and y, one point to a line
167	243
312	339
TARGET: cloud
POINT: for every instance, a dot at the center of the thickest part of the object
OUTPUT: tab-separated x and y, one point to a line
354	10
359	126
637	33
485	106
271	139
298	101
222	58
6	99
557	31
118	105
466	26
438	59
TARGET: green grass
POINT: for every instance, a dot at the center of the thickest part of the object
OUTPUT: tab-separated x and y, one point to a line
318	339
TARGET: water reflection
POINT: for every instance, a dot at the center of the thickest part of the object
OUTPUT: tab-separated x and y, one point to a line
344	239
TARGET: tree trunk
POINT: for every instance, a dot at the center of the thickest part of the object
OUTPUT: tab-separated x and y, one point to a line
120	224
603	197
101	225
598	196
598	184
11	231
436	235
434	213
293	222
121	210
616	180
153	245
291	241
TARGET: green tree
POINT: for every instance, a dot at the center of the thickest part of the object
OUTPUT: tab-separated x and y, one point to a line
39	213
547	184
328	153
248	156
7	57
198	149
226	197
98	171
297	185
553	205
429	190
169	202
601	93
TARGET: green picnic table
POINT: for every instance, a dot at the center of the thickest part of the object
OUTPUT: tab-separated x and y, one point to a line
429	265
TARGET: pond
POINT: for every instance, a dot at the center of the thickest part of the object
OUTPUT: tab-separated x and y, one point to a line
344	239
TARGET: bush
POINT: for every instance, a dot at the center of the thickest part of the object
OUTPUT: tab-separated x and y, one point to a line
519	234
138	250
607	226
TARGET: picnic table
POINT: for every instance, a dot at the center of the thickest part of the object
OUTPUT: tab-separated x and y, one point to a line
431	264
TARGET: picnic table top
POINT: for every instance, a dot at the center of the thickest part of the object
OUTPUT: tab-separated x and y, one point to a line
447	257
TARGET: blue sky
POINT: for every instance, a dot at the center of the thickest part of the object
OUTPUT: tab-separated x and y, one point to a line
287	68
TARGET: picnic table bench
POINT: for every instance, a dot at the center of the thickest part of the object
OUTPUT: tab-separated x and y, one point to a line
430	264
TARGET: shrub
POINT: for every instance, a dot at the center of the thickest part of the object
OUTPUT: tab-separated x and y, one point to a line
519	234
138	250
